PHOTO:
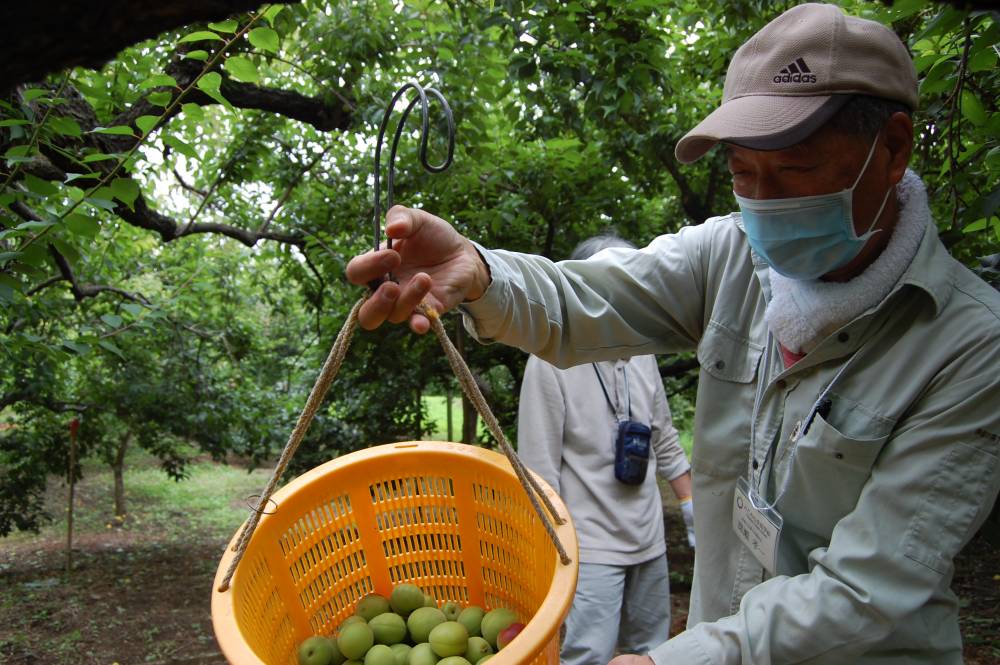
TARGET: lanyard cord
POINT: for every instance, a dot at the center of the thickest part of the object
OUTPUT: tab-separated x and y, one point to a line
628	399
765	378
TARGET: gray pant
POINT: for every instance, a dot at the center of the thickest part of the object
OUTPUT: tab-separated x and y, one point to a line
627	607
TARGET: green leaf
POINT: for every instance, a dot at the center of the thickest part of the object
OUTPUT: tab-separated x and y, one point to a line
81	225
198	54
11	122
193	111
70	177
978	225
265	39
228	25
101	202
108	346
32	94
65	126
200	36
96	157
8	256
125	190
66	249
972	108
146	122
18	151
34	226
209	84
939	78
242	69
119	130
39	186
76	347
983	61
134	309
8	286
158	81
181	147
272	12
112	320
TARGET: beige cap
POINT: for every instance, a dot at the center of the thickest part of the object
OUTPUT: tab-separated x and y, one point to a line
793	75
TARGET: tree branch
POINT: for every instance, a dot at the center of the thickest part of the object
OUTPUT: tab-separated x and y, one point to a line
52	35
188	187
291	187
311	110
82	291
678	367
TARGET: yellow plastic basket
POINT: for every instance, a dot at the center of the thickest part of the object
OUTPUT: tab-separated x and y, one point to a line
448	517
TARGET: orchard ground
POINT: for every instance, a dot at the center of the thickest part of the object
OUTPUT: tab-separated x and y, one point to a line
139	592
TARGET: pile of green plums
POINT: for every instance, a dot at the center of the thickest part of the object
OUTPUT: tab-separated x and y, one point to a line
408	628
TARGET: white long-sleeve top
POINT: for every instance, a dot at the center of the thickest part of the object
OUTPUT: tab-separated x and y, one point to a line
566	433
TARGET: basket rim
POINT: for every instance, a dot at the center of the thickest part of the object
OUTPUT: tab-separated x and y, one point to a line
536	634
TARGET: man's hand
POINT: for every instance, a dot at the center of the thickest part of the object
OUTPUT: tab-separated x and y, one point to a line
630	659
430	260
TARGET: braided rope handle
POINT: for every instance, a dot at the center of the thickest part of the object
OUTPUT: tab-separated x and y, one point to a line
326	376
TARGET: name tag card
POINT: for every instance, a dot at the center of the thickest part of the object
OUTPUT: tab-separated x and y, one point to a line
759	529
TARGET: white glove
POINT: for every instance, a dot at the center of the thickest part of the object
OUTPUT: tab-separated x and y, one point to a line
687	510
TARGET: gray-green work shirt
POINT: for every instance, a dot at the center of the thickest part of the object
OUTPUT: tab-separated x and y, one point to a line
881	492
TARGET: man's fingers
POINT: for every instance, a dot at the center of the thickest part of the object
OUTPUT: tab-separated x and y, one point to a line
376	309
411	295
371	265
419	324
402	222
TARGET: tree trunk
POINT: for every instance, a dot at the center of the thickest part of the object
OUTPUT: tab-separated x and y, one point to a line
447	397
118	466
72	488
420	416
469	415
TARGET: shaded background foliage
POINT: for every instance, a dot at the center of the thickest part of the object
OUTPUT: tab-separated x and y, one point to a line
174	223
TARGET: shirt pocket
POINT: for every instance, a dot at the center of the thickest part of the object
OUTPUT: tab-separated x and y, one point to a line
729	363
825	475
728	355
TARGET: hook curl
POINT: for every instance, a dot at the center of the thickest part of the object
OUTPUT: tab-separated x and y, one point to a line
421	97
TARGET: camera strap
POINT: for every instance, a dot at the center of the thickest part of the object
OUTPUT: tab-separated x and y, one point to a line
628	400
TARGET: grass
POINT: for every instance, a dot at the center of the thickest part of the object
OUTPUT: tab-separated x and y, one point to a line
437	412
210	501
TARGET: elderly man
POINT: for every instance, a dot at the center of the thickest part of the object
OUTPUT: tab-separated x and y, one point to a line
847	428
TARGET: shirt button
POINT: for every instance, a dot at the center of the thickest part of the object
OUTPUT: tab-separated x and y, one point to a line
843	337
755	465
720	364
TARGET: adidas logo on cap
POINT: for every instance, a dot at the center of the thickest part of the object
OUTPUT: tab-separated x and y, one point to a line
796	72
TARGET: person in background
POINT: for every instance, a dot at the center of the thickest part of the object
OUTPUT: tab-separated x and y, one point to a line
568	424
847	426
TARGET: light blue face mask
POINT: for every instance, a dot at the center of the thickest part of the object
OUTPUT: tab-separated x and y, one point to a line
805	237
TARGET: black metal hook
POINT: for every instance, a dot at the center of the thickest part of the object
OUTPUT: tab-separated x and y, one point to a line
430	168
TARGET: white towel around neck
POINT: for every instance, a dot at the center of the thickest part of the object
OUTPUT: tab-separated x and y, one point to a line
802	313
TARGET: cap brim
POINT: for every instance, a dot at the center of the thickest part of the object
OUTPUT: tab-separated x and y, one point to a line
759	122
